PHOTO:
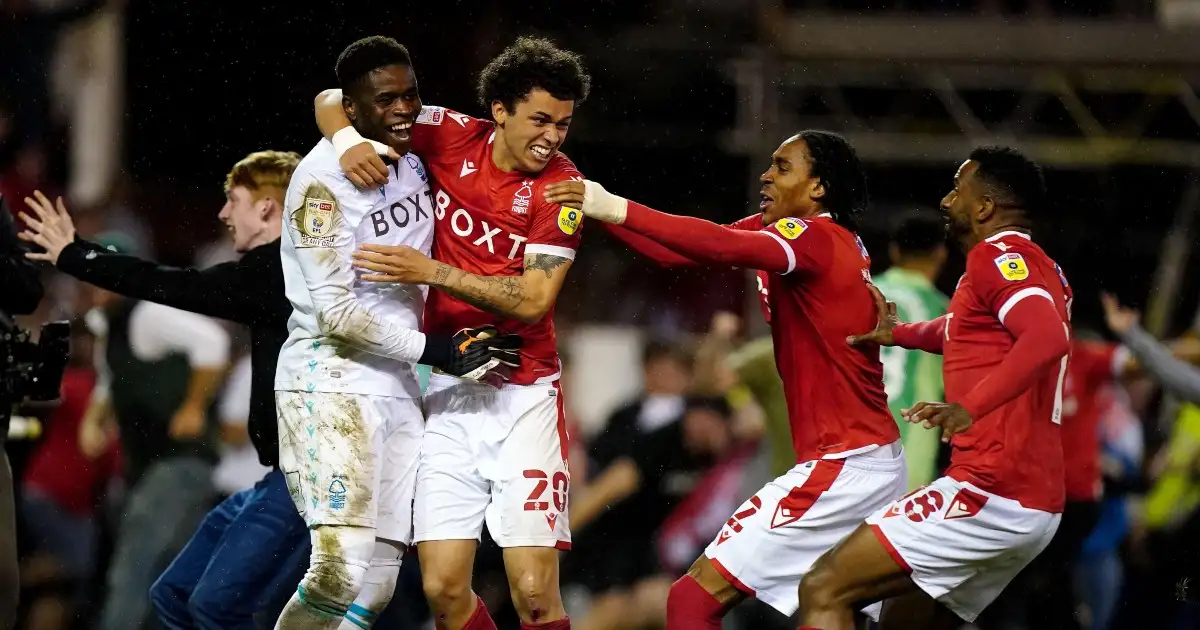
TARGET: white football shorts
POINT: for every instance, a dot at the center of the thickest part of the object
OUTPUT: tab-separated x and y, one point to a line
351	459
494	455
962	545
776	536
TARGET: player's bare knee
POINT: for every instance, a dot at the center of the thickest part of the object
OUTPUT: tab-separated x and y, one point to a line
444	591
535	595
338	567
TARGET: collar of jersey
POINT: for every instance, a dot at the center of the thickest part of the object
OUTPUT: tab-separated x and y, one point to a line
999	235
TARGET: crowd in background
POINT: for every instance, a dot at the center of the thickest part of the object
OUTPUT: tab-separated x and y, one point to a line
650	488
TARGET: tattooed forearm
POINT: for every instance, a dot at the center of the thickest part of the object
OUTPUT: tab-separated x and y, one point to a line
545	262
443	272
500	295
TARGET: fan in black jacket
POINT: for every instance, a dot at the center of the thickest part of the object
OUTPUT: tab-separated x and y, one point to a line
216	581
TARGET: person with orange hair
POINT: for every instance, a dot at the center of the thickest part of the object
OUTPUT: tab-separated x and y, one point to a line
247	552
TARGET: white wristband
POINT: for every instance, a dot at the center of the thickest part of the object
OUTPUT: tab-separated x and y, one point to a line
347	137
602	205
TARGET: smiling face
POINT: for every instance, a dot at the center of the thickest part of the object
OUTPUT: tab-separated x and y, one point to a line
528	136
789	187
245	217
384	106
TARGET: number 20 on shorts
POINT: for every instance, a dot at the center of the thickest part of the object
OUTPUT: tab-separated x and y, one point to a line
534	502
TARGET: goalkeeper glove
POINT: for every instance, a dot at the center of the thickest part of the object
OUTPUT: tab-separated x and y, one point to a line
472	352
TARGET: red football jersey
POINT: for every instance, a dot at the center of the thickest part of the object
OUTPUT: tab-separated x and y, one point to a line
1092	365
486	221
1016	450
835	398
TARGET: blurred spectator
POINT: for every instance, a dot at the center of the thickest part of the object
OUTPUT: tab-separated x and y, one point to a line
666	377
1099	573
918	252
714	376
1159	361
62	487
238	467
648	483
162	369
754	366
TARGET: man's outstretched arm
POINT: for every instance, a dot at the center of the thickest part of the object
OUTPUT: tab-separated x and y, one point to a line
702	241
226	290
655	251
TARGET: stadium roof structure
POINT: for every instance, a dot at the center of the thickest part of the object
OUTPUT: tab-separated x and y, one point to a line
921	89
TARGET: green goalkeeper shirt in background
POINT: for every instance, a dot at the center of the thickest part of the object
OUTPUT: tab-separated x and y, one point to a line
912	376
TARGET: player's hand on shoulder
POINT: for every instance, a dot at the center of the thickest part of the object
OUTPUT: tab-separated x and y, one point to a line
364	166
882	334
476	352
953	418
596	202
394	263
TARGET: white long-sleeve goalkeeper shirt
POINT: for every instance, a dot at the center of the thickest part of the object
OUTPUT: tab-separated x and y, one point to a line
346	334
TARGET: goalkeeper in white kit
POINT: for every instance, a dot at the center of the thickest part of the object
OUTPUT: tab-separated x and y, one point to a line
350	421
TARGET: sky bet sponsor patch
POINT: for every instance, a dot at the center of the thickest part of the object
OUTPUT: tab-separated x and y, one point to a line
431	115
569	219
314	219
1012	266
790	228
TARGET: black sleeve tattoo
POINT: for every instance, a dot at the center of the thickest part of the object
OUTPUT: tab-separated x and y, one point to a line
545	262
499	295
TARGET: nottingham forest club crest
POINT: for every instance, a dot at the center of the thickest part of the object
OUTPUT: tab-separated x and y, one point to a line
520	202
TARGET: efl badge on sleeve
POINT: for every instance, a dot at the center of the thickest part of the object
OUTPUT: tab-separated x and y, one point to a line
569	220
318	216
790	228
314	219
1012	266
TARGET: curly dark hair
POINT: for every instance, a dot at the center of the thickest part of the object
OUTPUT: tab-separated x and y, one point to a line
836	164
365	55
1012	179
530	63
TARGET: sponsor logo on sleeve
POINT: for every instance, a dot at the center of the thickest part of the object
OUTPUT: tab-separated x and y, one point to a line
1012	266
790	228
431	115
315	217
569	220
